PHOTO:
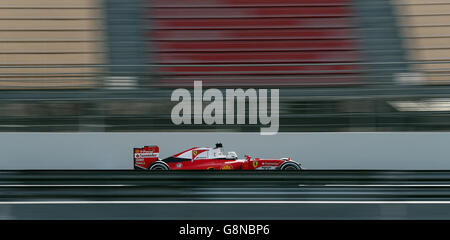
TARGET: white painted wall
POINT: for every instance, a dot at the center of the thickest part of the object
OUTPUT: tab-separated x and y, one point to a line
314	150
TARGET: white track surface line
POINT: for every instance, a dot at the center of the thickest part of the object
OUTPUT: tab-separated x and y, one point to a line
219	202
61	185
384	185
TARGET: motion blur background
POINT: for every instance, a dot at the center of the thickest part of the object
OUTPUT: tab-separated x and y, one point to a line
95	66
111	65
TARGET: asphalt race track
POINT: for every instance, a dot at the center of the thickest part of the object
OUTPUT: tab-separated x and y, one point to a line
225	195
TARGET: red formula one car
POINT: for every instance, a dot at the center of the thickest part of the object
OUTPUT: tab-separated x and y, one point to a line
205	158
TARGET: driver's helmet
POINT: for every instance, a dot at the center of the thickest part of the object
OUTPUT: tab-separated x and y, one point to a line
232	155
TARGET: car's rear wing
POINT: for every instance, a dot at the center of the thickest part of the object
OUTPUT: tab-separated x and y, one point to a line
145	156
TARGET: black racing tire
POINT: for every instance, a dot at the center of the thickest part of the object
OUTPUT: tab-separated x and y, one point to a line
290	166
158	166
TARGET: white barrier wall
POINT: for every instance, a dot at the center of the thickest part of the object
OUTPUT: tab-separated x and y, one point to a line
313	150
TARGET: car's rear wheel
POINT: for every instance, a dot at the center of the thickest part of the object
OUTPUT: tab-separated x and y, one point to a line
158	167
289	166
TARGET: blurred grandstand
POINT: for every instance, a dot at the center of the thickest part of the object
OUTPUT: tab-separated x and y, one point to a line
341	65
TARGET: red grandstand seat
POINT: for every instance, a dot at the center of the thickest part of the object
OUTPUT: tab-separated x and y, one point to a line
255	42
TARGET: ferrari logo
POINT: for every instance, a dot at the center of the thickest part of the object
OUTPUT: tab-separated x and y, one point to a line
227	167
255	164
194	154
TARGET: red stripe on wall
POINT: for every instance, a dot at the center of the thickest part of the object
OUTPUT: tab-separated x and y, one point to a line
253	23
246	3
290	34
248	46
259	57
250	12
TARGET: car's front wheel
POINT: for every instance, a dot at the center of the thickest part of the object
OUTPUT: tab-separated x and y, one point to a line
158	166
290	166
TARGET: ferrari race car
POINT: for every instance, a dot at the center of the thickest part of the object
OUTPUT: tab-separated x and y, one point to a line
206	158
